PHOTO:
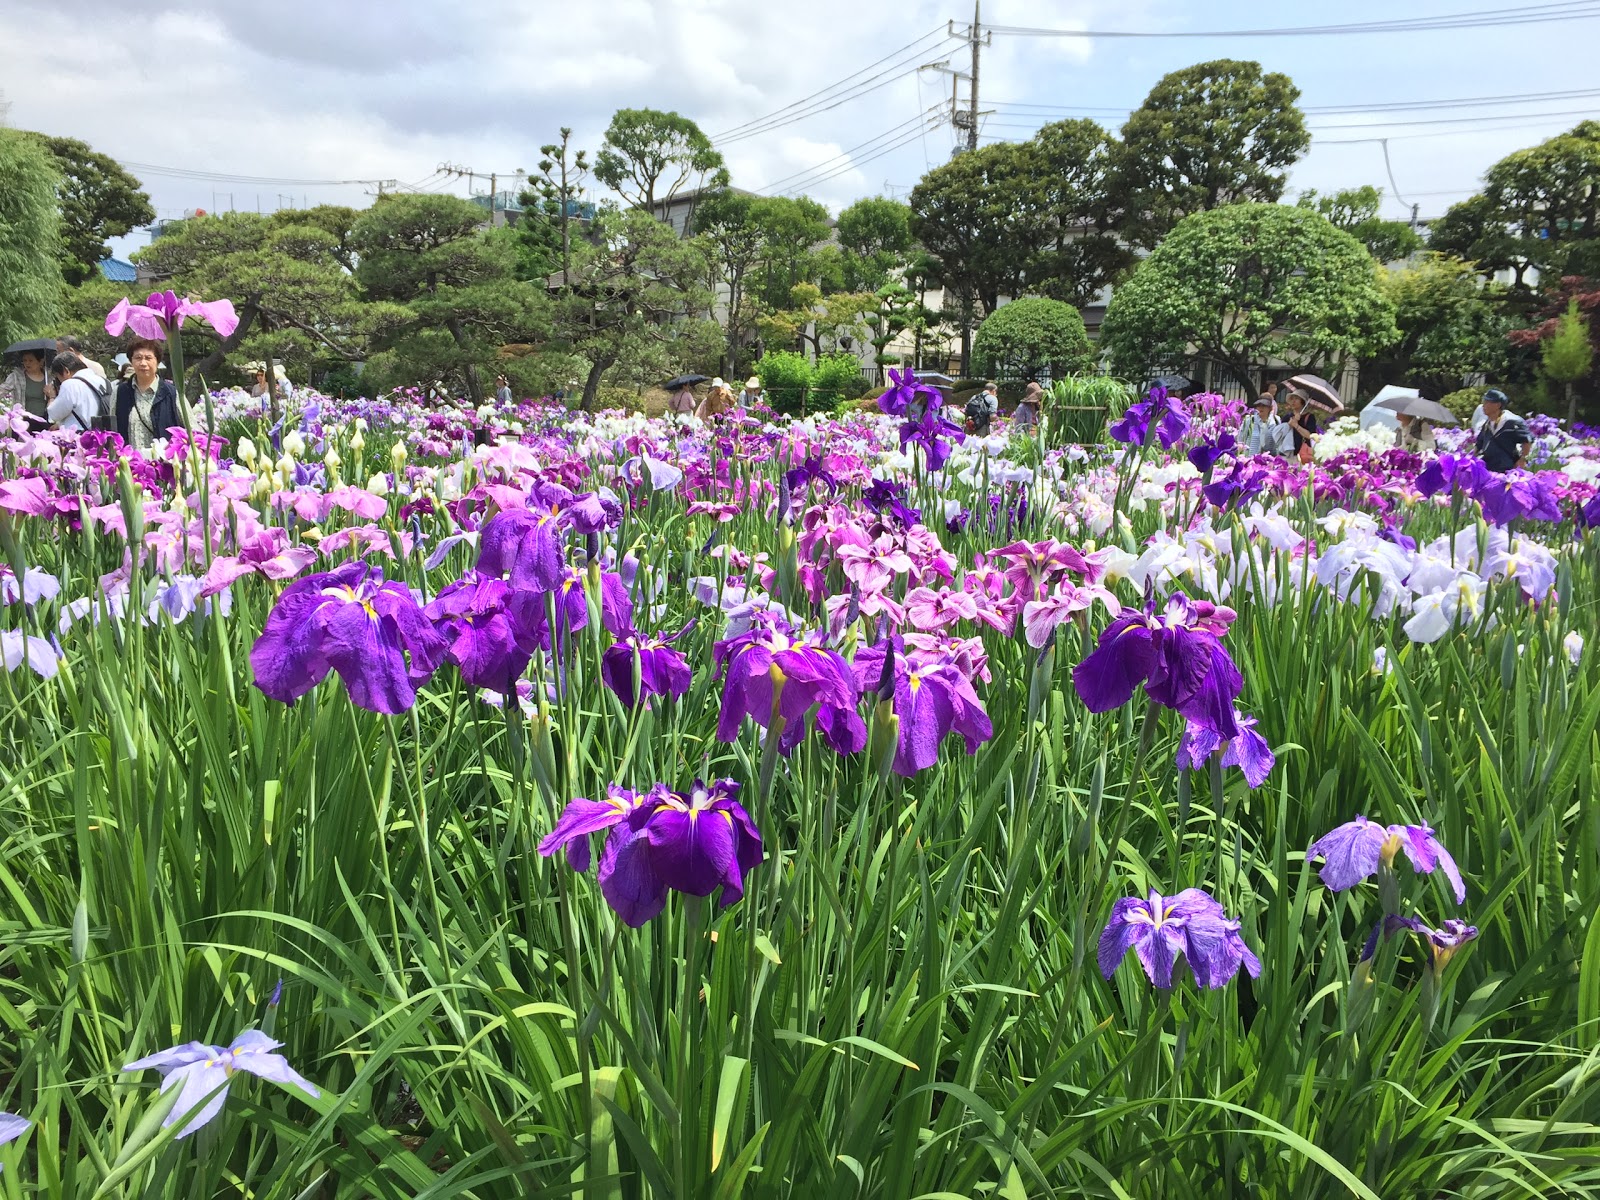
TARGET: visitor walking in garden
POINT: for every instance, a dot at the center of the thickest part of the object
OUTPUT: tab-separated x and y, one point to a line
147	405
29	385
78	394
982	408
1256	428
1027	415
718	400
1303	427
752	392
1503	439
682	400
1413	433
502	390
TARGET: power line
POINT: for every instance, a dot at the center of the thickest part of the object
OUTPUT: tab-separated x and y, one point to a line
228	177
1478	120
1480	19
1338	109
901	62
845	156
902	141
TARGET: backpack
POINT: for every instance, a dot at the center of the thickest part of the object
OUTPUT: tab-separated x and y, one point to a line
105	415
977	409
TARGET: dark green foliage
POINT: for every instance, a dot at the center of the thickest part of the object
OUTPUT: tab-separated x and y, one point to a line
1245	284
1355	210
30	238
98	200
651	156
1216	133
1032	338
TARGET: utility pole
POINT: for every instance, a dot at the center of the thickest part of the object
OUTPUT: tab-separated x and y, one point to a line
972	117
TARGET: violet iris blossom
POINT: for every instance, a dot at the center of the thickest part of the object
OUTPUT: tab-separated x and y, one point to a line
903	391
1162	929
934	434
932	699
1207	455
776	678
1177	655
12	1127
1248	750
199	1070
887	498
490	639
351	621
1159	412
662	671
1355	850
1441	944
692	842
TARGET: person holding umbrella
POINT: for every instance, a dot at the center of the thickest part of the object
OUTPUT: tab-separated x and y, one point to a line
29	385
682	399
1302	426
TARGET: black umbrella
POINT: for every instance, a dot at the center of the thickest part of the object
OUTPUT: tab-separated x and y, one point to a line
683	381
44	346
1173	383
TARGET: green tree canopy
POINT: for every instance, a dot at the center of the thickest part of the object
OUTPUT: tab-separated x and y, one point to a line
30	238
1539	210
1030	338
1075	180
1216	133
1452	327
650	156
1246	284
98	200
1566	354
637	300
428	253
734	243
1355	210
791	229
875	236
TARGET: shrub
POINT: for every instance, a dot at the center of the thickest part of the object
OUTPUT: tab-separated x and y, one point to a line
786	377
836	377
626	398
1032	337
1464	403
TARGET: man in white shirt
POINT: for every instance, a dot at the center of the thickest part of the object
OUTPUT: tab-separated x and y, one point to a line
77	401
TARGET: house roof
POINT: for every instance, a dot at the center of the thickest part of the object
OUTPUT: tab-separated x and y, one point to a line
118	271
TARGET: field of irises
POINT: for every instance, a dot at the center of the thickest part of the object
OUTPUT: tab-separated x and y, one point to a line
405	800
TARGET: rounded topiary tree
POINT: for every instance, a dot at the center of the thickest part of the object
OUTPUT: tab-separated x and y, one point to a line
1030	338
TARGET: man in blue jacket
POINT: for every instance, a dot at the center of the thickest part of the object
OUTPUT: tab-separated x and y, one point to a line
1503	440
147	405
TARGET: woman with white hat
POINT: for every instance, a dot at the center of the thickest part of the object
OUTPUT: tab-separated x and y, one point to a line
718	400
752	392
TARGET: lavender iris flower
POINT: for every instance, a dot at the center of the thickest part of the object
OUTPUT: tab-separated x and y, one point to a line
662	671
199	1070
1441	944
1161	929
1248	750
1453	470
1591	512
166	311
351	621
692	842
1159	409
1355	850
12	1127
932	699
776	678
1178	656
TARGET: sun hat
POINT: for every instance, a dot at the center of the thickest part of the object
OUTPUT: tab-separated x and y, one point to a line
717	382
753	382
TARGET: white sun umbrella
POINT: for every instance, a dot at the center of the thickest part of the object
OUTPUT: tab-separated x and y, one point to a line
1375	414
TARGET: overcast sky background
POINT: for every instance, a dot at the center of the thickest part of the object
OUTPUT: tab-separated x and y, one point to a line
322	90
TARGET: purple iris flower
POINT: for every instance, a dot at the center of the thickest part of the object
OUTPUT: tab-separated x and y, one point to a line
1207	455
690	842
528	544
1591	512
351	621
1159	412
490	639
1238	487
934	434
1178	656
1391	533
887	498
1162	929
1355	850
775	677
199	1070
1507	498
1248	750
812	470
632	889
1465	471
903	391
662	671
932	699
1441	944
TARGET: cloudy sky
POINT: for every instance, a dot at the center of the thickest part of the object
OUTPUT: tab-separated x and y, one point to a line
262	105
